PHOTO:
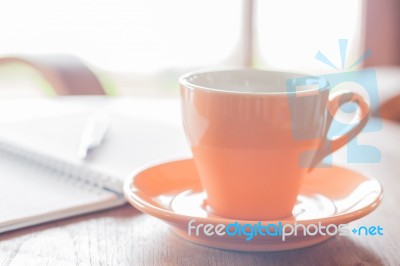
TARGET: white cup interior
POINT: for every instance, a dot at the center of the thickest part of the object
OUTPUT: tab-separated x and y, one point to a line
247	81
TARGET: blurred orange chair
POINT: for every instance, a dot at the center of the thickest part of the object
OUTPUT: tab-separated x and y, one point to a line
67	74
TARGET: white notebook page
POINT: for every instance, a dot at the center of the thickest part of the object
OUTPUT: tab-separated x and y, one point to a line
30	194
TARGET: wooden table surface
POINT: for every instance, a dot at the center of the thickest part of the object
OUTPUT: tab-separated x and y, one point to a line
124	236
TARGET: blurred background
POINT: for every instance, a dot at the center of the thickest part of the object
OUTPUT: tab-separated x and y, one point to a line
137	47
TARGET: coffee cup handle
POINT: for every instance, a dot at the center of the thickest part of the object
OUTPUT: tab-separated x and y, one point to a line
328	146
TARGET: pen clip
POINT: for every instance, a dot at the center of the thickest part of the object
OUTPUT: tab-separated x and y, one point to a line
93	133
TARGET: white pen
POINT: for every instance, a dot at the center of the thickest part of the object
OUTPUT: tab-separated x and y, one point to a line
93	133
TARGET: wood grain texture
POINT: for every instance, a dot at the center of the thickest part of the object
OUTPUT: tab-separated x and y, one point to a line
124	236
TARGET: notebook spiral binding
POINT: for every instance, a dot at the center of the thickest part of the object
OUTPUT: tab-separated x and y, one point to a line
74	171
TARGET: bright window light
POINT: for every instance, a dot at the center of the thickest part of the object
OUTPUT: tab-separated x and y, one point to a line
125	35
290	33
145	45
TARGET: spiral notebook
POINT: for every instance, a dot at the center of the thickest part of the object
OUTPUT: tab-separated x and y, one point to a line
41	178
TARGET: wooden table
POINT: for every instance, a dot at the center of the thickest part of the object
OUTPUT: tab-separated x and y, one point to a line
124	236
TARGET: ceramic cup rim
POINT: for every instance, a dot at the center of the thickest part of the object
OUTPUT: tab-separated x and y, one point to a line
184	81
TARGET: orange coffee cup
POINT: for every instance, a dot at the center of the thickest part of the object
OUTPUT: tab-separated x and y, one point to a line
253	141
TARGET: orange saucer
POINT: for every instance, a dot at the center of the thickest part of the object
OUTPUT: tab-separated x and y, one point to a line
172	192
